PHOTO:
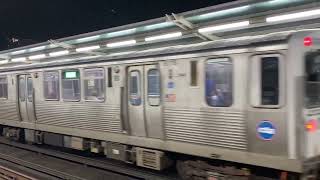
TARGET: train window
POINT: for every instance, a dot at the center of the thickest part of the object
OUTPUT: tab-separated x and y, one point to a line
134	88
312	86
219	82
109	77
71	85
22	89
94	84
3	88
51	85
267	76
154	87
269	81
30	89
193	73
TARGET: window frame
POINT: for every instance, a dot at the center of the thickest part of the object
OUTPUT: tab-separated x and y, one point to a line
7	82
232	81
104	83
61	88
59	85
255	81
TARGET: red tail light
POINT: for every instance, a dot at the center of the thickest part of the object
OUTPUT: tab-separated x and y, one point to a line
311	125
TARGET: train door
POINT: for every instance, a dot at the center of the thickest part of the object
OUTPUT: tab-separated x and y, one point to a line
144	101
26	98
267	114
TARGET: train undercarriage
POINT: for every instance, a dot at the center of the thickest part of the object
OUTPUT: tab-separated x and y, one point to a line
188	167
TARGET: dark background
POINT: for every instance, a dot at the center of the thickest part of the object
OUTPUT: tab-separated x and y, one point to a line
24	22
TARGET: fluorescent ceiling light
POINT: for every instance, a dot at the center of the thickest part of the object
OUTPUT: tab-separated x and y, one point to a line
89	48
59	53
122	32
297	15
164	36
224	27
18	52
226	11
20	59
4	61
122	43
38	56
121	53
37	48
159	25
86	39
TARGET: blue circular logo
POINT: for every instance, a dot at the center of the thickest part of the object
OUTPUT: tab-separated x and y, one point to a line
266	130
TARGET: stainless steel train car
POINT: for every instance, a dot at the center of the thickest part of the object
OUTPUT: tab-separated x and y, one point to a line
252	100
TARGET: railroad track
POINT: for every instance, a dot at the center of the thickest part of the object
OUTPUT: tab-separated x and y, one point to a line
9	174
53	164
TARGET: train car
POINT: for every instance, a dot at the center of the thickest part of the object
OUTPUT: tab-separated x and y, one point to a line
252	100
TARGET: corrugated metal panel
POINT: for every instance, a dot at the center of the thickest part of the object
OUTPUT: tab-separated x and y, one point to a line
225	129
89	116
8	111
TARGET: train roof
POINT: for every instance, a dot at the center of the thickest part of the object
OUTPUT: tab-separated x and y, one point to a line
231	24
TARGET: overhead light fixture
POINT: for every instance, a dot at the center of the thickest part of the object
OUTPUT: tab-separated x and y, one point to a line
225	11
164	36
20	59
37	48
224	27
159	25
122	43
121	53
59	53
18	52
89	48
4	61
86	39
291	16
122	32
38	56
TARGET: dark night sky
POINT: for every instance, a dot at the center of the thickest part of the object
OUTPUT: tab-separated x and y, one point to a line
40	20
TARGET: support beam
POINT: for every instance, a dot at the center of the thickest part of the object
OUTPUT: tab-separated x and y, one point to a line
72	47
61	44
184	24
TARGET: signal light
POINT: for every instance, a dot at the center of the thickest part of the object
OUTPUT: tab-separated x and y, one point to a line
308	41
311	125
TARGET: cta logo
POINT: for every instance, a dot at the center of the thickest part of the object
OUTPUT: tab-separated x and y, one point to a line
266	130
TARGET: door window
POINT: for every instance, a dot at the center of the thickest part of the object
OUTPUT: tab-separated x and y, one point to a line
30	89
193	73
135	88
154	87
3	88
22	89
269	81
